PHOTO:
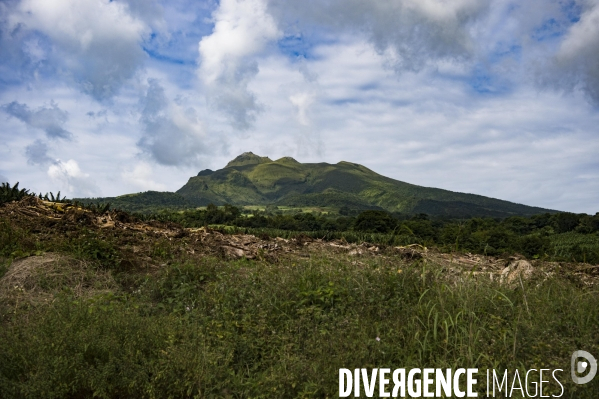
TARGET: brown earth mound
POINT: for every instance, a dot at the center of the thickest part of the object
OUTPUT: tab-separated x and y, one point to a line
37	279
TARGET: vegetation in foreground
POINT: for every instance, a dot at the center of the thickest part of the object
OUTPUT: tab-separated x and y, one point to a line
117	312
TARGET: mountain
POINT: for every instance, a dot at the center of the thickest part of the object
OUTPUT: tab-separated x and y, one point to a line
250	179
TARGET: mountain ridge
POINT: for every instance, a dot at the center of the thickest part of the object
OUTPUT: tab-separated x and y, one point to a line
251	179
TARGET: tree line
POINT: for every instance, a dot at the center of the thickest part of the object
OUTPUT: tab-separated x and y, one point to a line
534	236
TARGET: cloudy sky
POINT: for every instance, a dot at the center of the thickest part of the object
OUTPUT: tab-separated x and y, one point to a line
498	97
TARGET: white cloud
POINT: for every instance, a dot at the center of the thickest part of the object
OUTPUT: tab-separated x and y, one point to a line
578	55
411	33
97	43
494	45
141	177
302	102
19	52
242	29
72	180
149	11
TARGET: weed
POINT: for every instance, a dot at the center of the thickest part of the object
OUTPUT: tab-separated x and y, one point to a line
87	244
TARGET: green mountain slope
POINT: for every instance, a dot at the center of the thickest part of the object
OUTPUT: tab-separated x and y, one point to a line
253	180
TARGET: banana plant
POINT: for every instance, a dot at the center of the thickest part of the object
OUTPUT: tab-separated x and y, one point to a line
9	194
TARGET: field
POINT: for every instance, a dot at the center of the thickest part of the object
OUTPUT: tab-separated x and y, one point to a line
103	305
281	209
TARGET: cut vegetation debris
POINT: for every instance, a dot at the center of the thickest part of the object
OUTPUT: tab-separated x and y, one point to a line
135	242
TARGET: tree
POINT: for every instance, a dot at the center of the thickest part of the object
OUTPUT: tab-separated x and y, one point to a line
375	222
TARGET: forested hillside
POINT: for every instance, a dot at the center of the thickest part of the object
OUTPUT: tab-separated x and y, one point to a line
250	180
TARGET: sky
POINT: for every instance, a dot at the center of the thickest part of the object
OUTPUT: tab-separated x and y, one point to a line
498	98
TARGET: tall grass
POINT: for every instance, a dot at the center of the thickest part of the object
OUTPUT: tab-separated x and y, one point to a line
244	329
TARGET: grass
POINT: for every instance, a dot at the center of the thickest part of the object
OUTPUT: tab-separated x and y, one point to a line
243	329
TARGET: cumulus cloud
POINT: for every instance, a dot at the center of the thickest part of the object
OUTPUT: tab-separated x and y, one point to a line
67	175
73	181
102	115
307	137
242	29
172	134
22	52
37	153
489	45
149	11
411	33
577	59
49	119
96	43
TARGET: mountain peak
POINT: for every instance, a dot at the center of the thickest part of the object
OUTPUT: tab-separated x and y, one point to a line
248	158
288	160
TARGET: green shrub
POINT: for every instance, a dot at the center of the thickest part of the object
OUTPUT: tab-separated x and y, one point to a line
88	244
14	241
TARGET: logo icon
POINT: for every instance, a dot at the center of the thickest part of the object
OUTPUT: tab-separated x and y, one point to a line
580	366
